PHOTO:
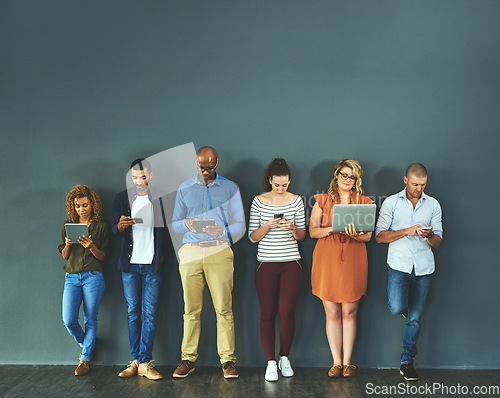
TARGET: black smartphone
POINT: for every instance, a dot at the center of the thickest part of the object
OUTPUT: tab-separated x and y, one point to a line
279	215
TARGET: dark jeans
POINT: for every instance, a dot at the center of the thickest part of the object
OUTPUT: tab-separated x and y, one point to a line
407	294
141	286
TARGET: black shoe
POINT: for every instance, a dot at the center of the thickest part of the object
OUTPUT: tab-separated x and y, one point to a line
408	371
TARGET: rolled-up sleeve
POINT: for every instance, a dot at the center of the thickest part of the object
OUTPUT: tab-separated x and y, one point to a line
385	216
436	219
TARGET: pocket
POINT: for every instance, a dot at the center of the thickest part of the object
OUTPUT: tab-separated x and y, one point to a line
258	266
95	273
299	263
179	253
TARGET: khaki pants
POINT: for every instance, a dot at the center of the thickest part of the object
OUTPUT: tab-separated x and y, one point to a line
212	266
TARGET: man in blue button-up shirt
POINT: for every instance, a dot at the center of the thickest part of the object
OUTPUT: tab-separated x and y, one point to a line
410	221
209	213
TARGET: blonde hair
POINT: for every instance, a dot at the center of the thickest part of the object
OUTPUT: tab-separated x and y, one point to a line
82	191
354	165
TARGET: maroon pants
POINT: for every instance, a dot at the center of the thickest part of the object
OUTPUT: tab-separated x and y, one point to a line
278	281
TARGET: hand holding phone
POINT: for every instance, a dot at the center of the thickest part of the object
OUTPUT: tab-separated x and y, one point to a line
124	223
424	231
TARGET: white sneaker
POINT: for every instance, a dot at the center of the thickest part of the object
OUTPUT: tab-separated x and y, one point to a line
271	371
285	367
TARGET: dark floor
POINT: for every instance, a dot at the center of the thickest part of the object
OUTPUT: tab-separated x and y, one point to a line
102	381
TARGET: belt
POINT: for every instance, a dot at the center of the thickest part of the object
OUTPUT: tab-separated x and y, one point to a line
209	243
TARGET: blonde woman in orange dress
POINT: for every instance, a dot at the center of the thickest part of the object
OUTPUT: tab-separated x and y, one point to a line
340	264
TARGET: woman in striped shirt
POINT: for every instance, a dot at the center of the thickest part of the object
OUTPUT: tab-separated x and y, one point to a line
277	222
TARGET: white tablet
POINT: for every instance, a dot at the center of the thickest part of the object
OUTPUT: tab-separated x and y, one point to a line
362	216
75	231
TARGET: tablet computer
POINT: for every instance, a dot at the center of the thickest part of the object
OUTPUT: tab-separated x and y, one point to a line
75	231
361	215
198	225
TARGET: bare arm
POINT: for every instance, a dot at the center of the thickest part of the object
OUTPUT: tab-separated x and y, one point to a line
315	229
87	243
433	241
66	251
259	233
392	236
297	233
359	236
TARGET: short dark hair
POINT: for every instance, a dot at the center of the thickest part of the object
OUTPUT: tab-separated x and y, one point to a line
141	164
277	167
416	169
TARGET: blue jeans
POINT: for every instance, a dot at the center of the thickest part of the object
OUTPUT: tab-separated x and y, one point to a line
407	294
141	286
86	286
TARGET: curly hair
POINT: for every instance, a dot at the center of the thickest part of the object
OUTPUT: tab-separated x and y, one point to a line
277	167
81	191
333	190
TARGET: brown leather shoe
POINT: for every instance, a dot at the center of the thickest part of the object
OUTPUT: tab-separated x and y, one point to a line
184	369
83	368
230	371
335	371
349	371
131	369
146	369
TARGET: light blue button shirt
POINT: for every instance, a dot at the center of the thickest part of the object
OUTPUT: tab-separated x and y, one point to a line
220	200
397	213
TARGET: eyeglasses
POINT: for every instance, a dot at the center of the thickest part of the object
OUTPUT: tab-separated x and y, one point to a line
207	169
347	176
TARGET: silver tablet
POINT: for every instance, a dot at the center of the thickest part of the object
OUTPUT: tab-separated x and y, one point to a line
75	231
362	216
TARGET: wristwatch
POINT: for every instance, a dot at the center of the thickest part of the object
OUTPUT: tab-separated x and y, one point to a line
430	235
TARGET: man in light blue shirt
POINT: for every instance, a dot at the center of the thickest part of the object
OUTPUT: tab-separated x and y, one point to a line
209	213
410	221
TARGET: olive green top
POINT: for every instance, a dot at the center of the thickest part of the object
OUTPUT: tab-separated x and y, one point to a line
81	259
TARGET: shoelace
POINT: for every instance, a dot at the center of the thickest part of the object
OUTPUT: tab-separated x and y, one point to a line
150	364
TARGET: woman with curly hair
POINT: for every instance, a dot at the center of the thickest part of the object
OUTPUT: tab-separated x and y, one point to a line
85	261
277	223
340	264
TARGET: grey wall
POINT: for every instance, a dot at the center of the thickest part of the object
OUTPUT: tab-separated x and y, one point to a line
85	87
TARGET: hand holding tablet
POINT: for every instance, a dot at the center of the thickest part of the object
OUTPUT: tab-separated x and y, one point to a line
75	231
360	216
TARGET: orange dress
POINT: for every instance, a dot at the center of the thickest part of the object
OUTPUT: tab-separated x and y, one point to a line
340	264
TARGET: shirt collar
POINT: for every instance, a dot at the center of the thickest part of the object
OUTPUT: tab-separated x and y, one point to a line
214	182
402	194
133	194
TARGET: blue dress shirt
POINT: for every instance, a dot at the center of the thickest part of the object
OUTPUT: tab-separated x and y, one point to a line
220	200
410	251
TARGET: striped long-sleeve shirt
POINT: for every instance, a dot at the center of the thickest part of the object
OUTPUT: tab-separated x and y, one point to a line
278	244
